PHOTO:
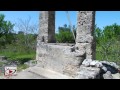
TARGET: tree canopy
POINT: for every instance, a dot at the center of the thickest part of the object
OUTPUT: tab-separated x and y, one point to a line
6	30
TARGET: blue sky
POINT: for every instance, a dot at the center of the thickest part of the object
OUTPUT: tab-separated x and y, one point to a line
103	18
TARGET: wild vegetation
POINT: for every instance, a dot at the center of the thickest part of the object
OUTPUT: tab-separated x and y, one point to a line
21	46
107	41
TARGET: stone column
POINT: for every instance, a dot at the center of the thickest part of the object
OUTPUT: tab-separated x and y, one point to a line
47	27
85	40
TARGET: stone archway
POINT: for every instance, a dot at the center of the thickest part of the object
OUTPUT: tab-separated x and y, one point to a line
65	58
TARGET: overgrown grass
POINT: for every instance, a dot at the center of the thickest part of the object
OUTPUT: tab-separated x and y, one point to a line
19	54
21	58
109	52
1	63
22	67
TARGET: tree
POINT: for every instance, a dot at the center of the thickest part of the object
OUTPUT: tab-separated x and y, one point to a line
6	31
97	34
27	31
108	42
20	32
65	34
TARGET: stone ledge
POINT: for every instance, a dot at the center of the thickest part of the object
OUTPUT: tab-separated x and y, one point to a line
48	73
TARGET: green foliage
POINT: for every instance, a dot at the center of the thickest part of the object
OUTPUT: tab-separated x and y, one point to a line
65	35
1	63
19	47
108	43
18	51
6	29
21	67
19	57
20	44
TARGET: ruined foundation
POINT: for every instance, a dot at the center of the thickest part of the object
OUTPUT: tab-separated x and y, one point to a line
65	58
60	58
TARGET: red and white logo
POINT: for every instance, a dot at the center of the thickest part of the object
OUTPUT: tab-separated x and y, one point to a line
10	71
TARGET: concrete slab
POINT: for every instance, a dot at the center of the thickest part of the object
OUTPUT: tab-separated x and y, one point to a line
48	73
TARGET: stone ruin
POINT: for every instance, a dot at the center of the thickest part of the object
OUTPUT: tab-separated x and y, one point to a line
66	60
73	60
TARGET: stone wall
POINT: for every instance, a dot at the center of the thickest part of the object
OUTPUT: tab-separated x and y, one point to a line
94	69
65	59
47	27
84	35
60	58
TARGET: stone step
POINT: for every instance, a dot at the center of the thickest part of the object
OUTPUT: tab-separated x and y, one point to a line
48	73
27	75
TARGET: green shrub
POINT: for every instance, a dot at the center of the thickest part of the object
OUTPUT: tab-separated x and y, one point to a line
22	58
21	67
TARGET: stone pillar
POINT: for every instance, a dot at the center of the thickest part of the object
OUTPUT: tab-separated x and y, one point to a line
84	35
47	27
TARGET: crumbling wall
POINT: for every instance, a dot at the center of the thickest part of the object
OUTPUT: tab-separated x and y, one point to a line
64	58
94	69
60	58
85	40
47	27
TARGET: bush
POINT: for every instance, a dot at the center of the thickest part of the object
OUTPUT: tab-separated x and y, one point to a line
21	67
108	43
22	58
65	35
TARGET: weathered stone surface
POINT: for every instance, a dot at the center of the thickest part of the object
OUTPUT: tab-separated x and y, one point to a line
88	48
104	69
26	74
114	65
85	23
80	48
78	53
107	75
65	59
88	72
85	20
84	39
90	51
93	63
58	58
111	64
99	65
107	69
87	62
105	65
84	35
47	27
116	76
31	63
